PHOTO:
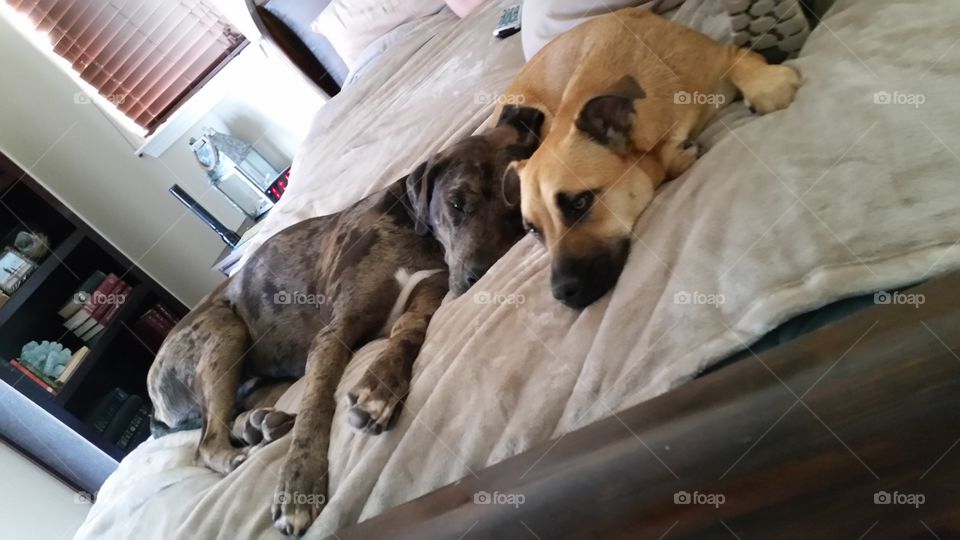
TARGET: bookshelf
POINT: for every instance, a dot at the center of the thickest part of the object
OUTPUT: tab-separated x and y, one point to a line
118	358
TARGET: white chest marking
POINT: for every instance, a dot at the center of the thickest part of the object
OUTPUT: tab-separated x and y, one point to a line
408	282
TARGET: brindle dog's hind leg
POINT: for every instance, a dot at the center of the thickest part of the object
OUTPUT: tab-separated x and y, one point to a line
377	399
219	375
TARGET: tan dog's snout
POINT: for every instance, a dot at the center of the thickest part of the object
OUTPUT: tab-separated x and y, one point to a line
580	279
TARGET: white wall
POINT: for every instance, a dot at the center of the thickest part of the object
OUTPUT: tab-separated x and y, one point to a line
80	154
34	504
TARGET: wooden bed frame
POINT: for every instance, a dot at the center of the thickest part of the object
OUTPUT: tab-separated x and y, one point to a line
279	37
807	440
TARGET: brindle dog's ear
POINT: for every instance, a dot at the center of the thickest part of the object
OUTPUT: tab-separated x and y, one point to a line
419	186
528	122
608	118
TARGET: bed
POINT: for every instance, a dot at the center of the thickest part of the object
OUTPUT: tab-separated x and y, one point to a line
849	192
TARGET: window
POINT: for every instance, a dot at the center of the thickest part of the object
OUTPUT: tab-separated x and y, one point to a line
145	56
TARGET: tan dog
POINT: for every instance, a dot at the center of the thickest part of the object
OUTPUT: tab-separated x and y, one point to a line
623	96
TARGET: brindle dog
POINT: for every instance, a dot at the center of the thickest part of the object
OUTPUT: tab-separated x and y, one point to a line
320	289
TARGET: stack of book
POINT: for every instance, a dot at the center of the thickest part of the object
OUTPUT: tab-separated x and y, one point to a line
52	386
94	305
152	328
122	418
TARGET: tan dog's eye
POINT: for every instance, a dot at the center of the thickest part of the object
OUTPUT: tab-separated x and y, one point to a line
575	207
580	203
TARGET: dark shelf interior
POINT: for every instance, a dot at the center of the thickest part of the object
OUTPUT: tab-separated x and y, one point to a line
118	357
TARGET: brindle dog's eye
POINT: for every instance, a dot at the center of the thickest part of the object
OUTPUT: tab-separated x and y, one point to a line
457	203
532	229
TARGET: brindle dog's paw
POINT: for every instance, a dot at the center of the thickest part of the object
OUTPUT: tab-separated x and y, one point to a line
299	498
223	460
376	401
263	426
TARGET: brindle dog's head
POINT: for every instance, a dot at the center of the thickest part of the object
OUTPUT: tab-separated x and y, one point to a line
582	192
459	196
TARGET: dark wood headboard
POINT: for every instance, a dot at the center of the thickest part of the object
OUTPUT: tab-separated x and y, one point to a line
279	36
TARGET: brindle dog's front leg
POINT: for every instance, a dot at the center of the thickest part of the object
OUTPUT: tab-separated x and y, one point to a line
376	400
302	491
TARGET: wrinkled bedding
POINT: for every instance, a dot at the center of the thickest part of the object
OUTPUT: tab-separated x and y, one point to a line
852	189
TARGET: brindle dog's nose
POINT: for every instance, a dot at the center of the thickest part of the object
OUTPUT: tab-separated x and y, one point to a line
475	272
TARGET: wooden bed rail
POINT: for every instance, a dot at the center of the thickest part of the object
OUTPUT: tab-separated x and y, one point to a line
852	431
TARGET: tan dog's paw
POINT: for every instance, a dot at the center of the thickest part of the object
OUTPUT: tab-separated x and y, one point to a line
299	497
771	90
376	401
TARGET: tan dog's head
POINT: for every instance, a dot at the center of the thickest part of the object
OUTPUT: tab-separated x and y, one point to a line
582	191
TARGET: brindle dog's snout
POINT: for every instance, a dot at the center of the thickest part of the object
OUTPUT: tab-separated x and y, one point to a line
475	272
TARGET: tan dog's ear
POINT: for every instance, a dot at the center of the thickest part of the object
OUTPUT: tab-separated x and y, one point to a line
510	187
419	185
608	118
528	123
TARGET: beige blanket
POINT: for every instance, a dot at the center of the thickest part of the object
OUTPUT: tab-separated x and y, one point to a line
852	189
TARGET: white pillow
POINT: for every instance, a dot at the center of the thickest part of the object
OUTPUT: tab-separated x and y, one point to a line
352	25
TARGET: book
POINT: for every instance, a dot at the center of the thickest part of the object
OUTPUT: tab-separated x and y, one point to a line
100	319
94	301
80	296
118	424
73	364
166	314
106	409
103	298
33	376
135	427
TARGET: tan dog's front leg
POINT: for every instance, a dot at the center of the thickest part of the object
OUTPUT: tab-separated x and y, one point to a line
302	491
375	401
765	88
